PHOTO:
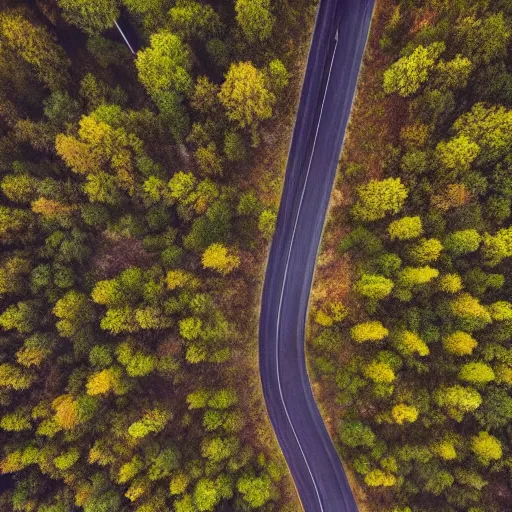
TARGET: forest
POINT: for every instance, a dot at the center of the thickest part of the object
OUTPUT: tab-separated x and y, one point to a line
138	196
411	324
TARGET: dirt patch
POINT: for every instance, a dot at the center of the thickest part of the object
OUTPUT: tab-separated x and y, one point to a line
117	253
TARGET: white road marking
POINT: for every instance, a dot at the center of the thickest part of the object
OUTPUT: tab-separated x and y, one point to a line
286	274
124	37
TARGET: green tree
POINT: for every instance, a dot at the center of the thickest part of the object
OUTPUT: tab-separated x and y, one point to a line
487	127
378	198
141	365
496	409
179	483
453	74
267	223
192	19
245	96
15	421
35	45
476	373
223	399
190	328
278	76
206	495
67	459
407	74
450	283
234	147
15	377
164	66
204	98
255	490
389	264
13	272
217	449
100	356
101	148
219	52
198	399
152	421
181	185
425	251
74	311
36	348
458	400
14	224
497	247
150	13
414	163
374	287
208	160
457	155
471	315
483	39
92	16
255	18
355	434
120	319
405	228
22	316
130	469
478	282
500	311
19	188
462	242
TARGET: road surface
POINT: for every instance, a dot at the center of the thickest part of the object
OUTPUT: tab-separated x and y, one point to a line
337	47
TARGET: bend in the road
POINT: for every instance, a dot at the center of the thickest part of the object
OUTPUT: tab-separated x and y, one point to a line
286	275
318	133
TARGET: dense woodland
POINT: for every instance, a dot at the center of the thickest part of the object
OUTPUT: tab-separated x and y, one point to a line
133	231
414	356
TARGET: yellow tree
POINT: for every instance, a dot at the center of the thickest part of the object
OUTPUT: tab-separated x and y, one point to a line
245	96
37	47
100	148
217	257
459	343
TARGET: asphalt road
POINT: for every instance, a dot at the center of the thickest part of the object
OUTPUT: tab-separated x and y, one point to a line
335	56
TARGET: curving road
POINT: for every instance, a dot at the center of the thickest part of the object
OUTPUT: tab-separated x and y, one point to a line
335	55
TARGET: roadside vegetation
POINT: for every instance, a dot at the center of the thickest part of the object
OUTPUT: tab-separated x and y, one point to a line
411	325
135	215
